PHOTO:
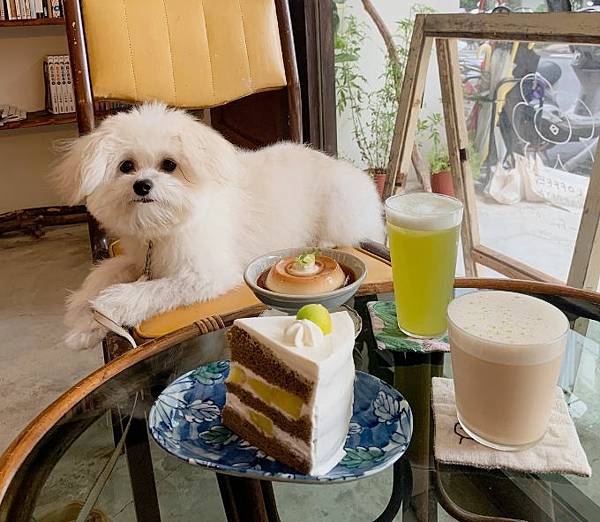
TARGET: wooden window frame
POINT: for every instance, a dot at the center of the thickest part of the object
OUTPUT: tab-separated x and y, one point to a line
444	30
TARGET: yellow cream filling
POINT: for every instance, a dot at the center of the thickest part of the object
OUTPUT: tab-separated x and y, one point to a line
263	423
272	395
237	375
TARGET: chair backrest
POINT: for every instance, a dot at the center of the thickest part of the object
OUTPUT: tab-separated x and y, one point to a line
190	54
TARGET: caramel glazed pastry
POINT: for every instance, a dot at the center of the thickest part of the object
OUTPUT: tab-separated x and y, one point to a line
307	274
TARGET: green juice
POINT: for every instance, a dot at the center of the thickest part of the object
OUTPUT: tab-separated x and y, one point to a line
423	233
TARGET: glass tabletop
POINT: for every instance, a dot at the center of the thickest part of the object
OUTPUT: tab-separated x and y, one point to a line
76	459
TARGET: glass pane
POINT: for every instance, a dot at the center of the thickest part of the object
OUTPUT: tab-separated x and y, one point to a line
70	482
532	112
183	491
355	501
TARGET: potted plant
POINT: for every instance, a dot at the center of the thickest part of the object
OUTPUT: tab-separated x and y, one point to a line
372	111
439	160
441	175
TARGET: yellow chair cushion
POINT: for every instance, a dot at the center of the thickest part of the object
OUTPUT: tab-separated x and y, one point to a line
187	53
379	272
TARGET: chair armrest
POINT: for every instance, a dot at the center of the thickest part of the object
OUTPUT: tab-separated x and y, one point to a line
376	249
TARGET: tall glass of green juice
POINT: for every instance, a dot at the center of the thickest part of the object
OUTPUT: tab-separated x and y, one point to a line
423	231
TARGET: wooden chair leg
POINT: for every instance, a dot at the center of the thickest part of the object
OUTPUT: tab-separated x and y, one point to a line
137	444
401	491
269	498
141	472
247	500
98	240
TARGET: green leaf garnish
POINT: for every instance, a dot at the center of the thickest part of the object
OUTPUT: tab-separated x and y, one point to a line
306	259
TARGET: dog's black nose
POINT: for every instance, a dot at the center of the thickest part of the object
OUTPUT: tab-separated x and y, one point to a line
142	187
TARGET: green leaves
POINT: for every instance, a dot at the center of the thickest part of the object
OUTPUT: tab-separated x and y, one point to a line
372	110
211	373
218	435
429	128
361	457
391	335
345	57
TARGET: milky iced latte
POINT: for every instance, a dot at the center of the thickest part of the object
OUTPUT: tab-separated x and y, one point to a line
506	353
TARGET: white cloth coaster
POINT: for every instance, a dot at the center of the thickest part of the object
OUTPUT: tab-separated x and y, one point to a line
558	452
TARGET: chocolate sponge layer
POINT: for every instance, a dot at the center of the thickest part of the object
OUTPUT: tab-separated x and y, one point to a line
271	446
257	357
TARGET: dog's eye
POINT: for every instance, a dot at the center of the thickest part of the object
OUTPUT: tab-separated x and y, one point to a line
168	165
126	166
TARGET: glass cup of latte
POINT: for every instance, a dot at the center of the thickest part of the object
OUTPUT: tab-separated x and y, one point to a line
506	351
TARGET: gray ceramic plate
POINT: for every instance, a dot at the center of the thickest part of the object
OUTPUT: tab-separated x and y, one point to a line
292	303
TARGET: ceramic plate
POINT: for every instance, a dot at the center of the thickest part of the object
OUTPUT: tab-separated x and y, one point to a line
186	421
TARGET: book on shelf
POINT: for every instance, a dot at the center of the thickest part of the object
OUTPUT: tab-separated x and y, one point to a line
30	9
60	97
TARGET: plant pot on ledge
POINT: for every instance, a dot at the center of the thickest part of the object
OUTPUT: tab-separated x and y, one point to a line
441	182
378	175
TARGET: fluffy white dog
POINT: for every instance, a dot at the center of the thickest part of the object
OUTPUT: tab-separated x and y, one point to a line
158	175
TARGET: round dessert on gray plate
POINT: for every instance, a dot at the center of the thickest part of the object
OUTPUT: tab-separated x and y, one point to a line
260	268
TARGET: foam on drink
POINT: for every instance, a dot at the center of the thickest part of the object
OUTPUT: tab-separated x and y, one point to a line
423	211
515	328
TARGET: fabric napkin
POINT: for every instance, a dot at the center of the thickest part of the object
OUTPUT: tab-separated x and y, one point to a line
389	337
558	452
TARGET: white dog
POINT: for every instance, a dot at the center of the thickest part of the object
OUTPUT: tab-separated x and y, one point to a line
158	176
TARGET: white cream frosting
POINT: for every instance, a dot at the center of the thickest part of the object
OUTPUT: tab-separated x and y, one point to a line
330	366
303	333
296	446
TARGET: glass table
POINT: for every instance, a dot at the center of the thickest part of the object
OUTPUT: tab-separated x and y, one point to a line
68	454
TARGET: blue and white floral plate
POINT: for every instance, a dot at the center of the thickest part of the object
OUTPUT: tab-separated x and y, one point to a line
186	421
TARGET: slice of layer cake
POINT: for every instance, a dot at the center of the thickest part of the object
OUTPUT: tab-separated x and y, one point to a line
290	389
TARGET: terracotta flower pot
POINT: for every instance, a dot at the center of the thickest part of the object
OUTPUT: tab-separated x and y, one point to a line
378	176
441	183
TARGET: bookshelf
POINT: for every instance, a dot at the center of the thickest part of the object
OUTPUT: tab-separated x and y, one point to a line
33	220
39	119
32	23
43	117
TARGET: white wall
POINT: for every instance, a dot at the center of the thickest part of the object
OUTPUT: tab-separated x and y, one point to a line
373	61
25	155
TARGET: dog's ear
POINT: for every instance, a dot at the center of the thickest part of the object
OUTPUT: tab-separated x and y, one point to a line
208	153
82	167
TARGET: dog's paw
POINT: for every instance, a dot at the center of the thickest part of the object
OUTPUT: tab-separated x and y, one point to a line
80	339
120	303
